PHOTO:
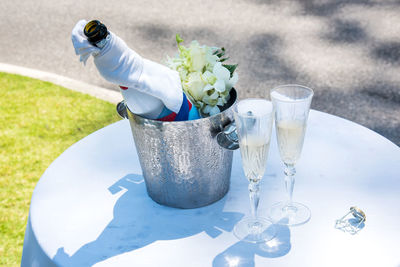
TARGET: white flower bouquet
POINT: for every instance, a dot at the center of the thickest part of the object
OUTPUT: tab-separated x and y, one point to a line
205	79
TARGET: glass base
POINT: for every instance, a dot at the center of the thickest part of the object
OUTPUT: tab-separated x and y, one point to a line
293	215
254	230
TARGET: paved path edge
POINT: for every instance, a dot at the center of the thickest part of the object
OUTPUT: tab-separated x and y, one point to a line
82	87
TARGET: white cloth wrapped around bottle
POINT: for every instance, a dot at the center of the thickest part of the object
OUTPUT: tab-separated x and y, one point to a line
149	89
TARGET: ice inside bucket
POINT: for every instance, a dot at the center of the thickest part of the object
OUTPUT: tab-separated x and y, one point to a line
183	166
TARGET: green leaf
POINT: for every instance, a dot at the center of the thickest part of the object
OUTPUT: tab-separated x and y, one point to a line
223	59
231	68
179	40
220	52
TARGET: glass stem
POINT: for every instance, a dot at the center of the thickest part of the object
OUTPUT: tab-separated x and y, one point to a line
254	190
289	171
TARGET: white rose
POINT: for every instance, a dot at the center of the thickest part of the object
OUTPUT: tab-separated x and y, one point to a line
195	85
197	56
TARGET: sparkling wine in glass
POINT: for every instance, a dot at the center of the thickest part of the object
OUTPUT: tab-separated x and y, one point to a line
254	118
254	152
290	135
292	105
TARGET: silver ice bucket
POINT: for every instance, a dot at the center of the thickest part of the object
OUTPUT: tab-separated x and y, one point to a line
183	165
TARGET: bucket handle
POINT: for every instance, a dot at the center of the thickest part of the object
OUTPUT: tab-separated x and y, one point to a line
227	138
121	110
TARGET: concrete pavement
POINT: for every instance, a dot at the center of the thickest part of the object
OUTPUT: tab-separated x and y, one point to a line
347	51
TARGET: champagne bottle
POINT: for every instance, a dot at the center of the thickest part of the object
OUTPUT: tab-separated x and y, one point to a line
149	89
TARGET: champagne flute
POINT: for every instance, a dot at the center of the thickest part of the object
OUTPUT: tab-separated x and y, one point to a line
254	119
292	105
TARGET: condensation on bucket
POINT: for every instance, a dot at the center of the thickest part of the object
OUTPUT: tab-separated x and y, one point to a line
183	165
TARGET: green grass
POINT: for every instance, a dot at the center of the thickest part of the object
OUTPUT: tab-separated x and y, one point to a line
38	121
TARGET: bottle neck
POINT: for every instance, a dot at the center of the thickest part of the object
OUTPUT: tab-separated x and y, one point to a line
100	44
96	33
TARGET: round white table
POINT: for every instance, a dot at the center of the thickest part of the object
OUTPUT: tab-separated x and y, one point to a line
90	207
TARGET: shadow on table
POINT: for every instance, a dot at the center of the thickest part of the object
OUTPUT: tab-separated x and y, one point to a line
242	254
139	221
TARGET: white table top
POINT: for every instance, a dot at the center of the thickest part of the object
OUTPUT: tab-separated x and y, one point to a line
91	207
